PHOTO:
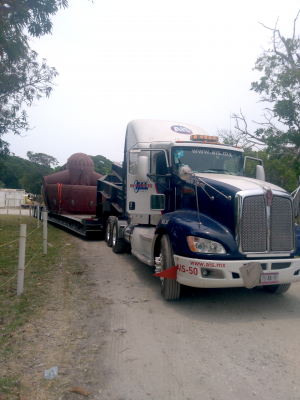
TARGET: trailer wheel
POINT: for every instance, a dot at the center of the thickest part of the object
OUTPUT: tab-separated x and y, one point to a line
118	243
170	288
277	289
109	229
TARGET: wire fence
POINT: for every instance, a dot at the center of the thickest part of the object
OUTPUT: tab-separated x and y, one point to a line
22	250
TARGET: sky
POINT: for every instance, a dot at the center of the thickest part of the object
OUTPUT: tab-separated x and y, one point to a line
187	61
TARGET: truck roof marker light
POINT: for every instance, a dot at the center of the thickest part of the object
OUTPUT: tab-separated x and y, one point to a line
204	139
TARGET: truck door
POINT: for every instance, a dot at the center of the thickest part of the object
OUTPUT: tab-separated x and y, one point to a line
143	198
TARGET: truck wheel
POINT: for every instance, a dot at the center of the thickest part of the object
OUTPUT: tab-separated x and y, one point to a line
109	229
170	288
277	289
118	243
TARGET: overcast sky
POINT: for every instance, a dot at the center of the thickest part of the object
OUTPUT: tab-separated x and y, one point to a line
187	61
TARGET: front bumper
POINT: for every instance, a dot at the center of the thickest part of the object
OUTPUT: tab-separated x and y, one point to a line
192	271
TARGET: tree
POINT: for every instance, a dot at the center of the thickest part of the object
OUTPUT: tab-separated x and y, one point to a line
234	138
102	165
17	173
22	78
277	166
42	159
279	87
21	83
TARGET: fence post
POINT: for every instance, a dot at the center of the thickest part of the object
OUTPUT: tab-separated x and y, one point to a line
38	215
20	214
21	264
30	213
45	215
7	209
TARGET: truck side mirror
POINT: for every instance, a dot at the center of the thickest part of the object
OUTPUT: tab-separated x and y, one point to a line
143	168
260	173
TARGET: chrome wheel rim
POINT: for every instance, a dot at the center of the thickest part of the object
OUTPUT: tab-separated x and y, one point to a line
114	238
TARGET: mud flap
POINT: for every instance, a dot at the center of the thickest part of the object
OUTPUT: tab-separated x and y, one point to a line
170	273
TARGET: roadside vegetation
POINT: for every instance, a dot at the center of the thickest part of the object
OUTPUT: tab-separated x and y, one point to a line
46	277
276	138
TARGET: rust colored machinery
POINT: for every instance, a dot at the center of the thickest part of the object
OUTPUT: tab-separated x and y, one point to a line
74	190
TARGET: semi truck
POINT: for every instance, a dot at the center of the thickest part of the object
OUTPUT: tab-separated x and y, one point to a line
180	201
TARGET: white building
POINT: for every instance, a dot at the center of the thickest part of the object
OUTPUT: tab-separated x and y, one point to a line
12	198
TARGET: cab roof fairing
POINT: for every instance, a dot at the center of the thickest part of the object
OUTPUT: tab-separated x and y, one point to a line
147	130
143	132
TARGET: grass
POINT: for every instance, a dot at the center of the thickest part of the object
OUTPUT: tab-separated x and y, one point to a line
40	273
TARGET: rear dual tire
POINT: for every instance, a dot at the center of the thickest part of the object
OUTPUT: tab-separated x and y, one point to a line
118	243
109	230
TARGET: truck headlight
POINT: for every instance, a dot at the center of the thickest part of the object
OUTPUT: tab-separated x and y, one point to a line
200	245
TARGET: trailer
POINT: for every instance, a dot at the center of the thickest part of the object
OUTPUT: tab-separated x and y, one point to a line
85	225
183	205
70	197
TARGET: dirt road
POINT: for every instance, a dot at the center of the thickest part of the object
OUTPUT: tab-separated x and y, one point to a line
211	344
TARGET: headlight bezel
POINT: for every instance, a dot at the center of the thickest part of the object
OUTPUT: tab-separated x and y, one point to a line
205	246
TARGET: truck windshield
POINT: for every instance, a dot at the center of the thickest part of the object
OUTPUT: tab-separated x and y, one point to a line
208	160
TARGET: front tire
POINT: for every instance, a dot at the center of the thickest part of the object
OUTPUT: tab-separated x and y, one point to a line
277	289
170	288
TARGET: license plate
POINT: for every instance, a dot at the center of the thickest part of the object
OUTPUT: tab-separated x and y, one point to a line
269	278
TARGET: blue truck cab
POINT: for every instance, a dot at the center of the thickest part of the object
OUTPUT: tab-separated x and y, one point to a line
183	205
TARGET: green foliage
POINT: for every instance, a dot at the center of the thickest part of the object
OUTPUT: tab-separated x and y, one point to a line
277	169
102	165
279	87
16	311
18	16
42	159
23	78
278	135
57	168
21	83
17	173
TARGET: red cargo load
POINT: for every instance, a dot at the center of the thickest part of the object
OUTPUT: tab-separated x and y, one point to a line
74	190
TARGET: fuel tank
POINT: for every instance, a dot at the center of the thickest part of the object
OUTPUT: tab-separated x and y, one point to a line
74	190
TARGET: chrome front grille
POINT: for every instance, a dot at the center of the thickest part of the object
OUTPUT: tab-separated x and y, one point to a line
254	227
264	229
281	225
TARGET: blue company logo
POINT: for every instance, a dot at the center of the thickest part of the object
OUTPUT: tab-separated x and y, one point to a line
181	129
137	186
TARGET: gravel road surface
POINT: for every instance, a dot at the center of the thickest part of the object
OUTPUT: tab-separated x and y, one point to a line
228	344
